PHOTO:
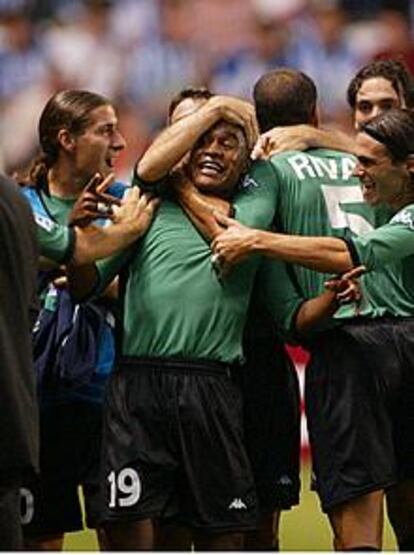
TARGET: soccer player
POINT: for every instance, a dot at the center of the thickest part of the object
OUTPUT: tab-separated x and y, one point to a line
79	138
360	422
376	88
19	411
172	402
268	380
326	199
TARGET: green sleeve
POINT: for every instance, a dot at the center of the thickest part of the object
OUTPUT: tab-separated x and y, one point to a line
158	188
255	202
388	243
56	241
279	295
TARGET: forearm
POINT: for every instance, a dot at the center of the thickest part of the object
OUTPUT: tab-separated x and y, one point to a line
332	139
200	209
323	254
82	280
314	311
173	143
94	243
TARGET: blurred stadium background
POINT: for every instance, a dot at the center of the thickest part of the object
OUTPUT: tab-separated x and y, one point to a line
141	52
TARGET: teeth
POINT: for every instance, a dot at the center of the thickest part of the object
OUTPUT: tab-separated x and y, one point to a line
211	166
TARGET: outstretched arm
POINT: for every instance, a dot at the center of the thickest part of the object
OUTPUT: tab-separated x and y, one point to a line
323	254
300	137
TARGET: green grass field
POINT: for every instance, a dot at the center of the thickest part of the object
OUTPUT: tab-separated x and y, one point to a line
304	528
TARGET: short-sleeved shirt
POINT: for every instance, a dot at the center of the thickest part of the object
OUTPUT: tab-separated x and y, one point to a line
174	303
388	254
318	195
56	240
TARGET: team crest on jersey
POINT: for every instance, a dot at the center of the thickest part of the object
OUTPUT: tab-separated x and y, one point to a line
248	182
44	222
404	217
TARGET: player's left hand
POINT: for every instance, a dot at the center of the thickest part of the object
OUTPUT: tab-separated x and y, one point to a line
94	202
233	245
347	287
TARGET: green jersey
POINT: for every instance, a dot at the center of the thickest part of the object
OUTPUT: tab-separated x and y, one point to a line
388	254
318	195
56	240
174	303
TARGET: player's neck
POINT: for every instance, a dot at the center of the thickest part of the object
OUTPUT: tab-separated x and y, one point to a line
63	182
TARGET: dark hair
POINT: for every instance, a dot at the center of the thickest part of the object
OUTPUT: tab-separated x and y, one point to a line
393	71
284	97
70	110
195	93
395	130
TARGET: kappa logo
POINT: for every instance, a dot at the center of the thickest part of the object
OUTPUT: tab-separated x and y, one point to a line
285	480
404	217
237	504
248	182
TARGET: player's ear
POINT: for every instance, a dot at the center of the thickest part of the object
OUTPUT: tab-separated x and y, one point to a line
314	119
66	140
410	166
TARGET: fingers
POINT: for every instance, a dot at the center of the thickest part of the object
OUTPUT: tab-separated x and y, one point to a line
350	294
355	272
260	149
105	183
223	220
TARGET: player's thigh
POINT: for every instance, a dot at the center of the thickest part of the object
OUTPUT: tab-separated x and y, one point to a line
11	538
218	485
349	421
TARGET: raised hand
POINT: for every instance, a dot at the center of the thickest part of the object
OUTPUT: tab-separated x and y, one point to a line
137	210
94	202
239	112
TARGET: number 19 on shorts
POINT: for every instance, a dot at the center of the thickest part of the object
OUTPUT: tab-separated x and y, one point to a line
124	488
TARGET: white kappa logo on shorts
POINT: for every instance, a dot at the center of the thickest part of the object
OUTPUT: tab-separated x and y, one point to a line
237	504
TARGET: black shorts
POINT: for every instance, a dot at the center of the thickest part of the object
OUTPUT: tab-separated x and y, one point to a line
271	399
173	447
360	407
11	537
70	437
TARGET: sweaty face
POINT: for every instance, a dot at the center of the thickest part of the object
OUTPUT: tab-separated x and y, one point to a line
376	95
98	147
380	177
219	158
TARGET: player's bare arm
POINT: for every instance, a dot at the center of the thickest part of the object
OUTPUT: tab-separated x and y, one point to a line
200	207
237	242
131	220
300	137
175	141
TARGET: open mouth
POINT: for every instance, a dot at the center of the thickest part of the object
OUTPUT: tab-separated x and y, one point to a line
110	160
210	168
369	190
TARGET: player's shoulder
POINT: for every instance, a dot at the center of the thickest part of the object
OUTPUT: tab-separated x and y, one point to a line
405	216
